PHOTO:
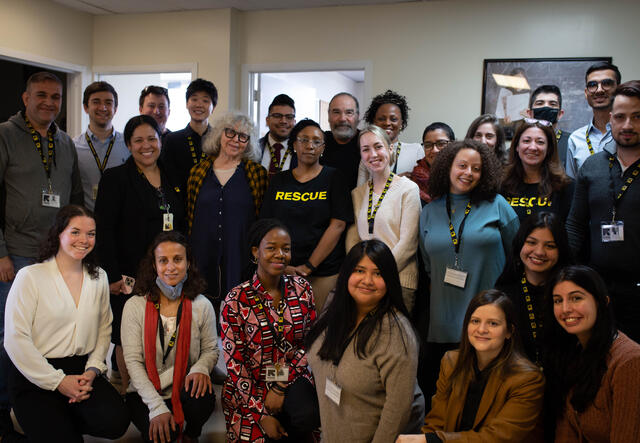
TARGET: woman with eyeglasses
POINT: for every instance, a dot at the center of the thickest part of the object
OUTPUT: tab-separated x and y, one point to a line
390	112
135	202
486	129
224	195
435	138
313	202
387	207
534	180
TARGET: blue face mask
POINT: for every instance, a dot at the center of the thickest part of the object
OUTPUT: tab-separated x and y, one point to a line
171	292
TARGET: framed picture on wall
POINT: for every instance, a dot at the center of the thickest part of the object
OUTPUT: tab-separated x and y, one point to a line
507	85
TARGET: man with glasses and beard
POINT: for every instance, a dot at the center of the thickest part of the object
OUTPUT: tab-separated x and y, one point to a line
601	80
341	149
604	222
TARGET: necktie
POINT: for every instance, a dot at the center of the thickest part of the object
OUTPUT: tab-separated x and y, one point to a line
274	167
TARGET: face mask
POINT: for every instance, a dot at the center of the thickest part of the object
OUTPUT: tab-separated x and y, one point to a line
171	292
546	113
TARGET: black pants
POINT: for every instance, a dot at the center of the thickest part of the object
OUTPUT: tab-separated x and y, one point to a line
47	416
300	414
196	413
431	369
625	300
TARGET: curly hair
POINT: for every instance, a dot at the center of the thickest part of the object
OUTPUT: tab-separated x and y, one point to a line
146	281
500	149
211	142
51	244
486	189
552	175
389	97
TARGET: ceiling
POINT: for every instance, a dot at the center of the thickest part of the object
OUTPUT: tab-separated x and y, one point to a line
101	7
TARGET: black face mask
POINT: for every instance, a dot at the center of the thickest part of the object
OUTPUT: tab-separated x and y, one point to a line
546	113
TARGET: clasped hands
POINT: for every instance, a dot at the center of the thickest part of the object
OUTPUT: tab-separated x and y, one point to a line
77	387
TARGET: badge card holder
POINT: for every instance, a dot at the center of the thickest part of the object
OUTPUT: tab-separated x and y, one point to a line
167	221
277	372
49	198
455	276
333	391
612	231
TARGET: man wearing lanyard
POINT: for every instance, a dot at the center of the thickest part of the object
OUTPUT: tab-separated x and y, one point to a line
182	149
39	174
277	155
546	104
604	222
601	80
100	146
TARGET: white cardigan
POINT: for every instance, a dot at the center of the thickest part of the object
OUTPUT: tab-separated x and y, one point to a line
42	321
396	224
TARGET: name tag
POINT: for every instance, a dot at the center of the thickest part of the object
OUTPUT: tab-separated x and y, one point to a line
455	277
167	221
277	373
333	391
50	200
611	232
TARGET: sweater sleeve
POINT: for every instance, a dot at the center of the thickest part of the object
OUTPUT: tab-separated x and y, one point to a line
626	402
133	349
107	212
434	421
353	237
398	364
578	220
4	160
422	240
98	355
516	419
405	250
20	312
509	225
209	351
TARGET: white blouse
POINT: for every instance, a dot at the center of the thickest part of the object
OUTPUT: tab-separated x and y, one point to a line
42	321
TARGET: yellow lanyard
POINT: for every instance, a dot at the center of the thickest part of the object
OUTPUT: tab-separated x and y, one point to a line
101	165
371	214
591	151
277	166
192	148
46	161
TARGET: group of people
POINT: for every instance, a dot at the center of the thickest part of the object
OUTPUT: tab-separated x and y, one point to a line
359	281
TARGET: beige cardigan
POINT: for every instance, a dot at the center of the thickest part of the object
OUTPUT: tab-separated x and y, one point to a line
396	224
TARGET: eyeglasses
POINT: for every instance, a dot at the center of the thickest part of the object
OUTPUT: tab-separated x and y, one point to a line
242	137
278	116
533	121
440	144
314	143
606	84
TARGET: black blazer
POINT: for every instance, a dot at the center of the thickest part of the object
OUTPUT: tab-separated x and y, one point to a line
128	217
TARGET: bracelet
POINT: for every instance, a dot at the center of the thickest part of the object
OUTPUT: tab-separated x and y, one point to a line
310	266
277	389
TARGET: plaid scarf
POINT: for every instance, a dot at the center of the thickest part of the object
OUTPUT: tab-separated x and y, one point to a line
257	179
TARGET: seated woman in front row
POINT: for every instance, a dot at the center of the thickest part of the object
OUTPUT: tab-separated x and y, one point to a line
487	392
58	327
170	344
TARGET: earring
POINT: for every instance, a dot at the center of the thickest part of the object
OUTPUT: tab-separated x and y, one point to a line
254	260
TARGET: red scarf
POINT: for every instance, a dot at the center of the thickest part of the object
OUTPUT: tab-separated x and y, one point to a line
420	175
182	353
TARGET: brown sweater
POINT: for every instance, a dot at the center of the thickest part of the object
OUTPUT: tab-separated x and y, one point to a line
614	415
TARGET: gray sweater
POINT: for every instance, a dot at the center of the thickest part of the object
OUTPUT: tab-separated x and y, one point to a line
22	175
377	392
203	351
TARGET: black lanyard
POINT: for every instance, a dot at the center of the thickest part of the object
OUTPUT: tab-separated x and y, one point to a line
395	165
51	149
101	165
278	166
531	314
591	151
262	309
558	134
371	214
192	149
172	340
627	182
456	239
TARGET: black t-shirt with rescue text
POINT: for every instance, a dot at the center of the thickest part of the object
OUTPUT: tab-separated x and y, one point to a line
307	209
526	201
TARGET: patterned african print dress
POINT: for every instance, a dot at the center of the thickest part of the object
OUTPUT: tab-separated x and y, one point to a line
249	346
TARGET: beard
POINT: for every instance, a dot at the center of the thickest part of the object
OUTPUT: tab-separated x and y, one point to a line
631	144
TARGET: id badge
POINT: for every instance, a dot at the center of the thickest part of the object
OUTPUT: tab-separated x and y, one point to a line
94	192
611	232
50	200
333	391
277	373
129	283
167	221
455	277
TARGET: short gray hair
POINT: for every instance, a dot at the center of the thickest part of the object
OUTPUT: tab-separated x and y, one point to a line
233	119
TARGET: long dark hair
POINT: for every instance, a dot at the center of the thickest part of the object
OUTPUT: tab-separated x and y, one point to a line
146	281
51	244
514	267
569	367
339	318
487	188
552	175
500	150
510	357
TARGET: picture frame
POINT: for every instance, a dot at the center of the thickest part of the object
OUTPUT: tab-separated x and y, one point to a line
508	83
